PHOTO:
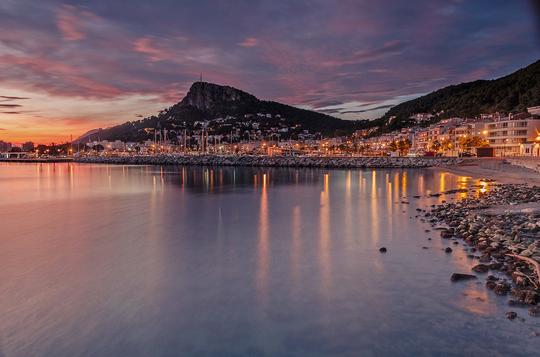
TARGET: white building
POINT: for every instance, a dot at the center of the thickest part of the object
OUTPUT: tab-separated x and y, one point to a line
509	135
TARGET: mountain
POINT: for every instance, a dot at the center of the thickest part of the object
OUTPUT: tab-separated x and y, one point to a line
512	93
233	109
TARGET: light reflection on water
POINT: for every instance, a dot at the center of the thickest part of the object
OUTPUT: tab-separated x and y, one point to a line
131	260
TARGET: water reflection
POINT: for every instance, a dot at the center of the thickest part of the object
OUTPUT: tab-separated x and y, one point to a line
161	260
324	241
262	246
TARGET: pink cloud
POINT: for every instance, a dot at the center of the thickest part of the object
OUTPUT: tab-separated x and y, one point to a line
146	45
72	80
71	21
389	48
249	42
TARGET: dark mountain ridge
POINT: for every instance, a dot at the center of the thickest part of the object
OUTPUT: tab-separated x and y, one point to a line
512	93
208	101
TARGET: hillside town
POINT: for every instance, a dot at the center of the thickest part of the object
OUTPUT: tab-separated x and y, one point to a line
489	135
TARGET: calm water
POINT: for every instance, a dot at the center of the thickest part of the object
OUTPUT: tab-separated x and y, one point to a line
150	261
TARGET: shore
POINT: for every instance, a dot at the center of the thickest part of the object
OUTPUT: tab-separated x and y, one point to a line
497	169
499	228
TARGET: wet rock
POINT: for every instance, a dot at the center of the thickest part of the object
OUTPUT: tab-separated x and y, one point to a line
510	315
516	303
480	268
491	284
446	234
461	276
534	311
448	250
485	258
501	288
383	250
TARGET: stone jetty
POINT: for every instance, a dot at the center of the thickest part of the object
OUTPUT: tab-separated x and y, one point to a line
272	161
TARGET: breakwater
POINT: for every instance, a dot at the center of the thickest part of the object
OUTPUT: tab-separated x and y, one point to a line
273	161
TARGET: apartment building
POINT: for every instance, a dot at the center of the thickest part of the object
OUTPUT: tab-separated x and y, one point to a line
509	135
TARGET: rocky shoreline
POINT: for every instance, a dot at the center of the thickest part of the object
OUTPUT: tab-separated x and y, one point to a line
273	161
501	229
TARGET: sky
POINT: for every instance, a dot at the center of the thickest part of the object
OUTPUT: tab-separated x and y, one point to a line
70	66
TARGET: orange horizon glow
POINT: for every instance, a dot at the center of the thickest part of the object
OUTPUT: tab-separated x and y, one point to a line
44	119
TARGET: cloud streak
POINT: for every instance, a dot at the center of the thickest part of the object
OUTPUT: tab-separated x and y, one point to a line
7	97
10	105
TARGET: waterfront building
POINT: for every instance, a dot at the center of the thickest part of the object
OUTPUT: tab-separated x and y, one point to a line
421	117
28	146
513	135
5	146
530	149
534	110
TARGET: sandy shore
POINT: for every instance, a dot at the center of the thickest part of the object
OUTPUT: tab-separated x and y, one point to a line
495	169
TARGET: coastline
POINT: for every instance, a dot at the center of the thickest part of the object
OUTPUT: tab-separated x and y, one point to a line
39	161
499	228
497	169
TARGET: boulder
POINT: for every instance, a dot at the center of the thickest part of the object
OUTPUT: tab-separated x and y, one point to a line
480	268
461	276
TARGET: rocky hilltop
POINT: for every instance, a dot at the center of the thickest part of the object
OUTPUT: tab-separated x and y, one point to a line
209	97
234	109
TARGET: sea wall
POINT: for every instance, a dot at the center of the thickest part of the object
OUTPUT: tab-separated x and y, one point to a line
273	161
532	163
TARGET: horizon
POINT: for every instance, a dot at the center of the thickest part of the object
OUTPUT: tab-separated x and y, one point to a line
69	68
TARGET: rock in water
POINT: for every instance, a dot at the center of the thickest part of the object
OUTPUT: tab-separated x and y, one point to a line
502	288
461	276
480	268
382	250
534	311
446	234
510	315
448	250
